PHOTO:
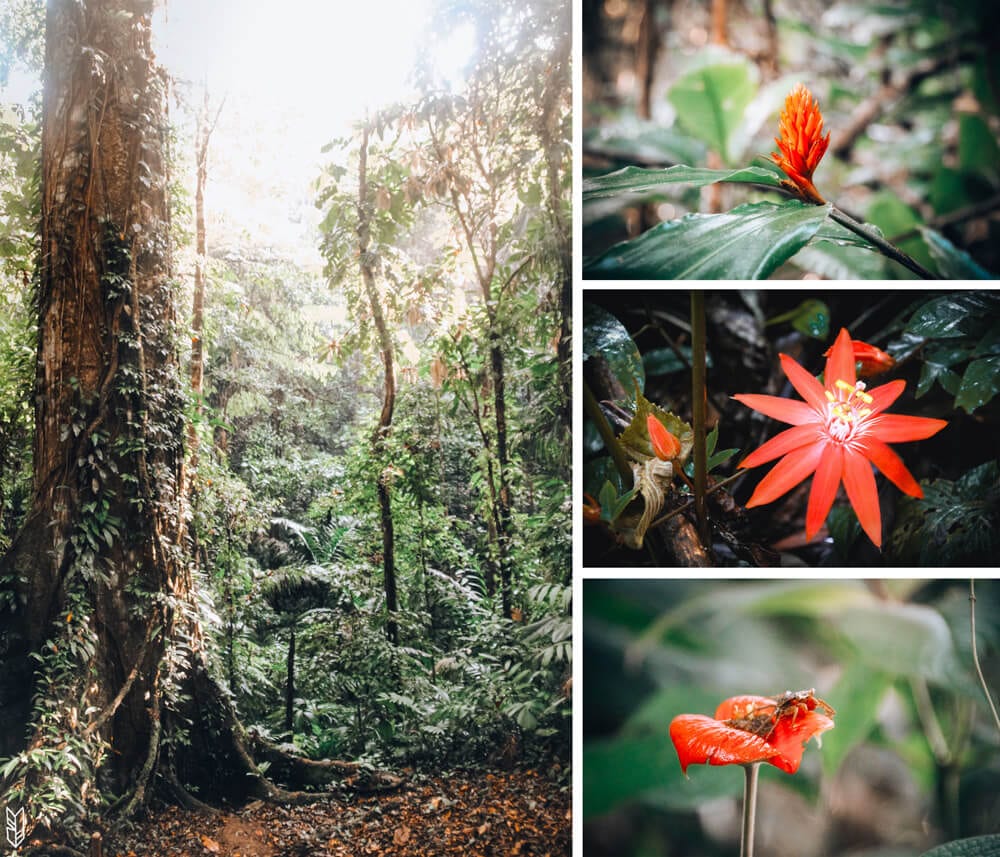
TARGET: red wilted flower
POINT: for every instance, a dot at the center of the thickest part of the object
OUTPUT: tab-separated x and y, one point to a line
749	729
665	445
802	143
869	360
838	432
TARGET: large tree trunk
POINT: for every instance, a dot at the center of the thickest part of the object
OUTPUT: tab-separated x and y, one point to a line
100	648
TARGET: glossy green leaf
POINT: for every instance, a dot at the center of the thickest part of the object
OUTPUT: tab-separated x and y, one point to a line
974	846
952	263
710	102
749	242
937	365
646	181
980	383
953	315
605	336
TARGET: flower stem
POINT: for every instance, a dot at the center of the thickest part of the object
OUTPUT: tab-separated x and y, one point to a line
698	408
884	246
749	809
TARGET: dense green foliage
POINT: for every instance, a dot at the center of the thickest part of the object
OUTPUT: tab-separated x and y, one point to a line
284	532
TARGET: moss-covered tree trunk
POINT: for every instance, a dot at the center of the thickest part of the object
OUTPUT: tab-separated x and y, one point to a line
100	648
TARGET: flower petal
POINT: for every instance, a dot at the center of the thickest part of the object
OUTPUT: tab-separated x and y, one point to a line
892	467
805	384
790	411
790	736
840	363
701	740
884	396
785	442
859	482
897	428
824	487
787	473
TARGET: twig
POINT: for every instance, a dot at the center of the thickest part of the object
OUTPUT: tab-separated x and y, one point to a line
884	246
593	409
690	502
975	655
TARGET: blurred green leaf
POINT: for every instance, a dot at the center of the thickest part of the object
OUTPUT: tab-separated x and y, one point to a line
974	846
605	336
952	263
632	139
948	191
749	242
810	318
623	769
904	639
710	102
856	697
977	146
645	181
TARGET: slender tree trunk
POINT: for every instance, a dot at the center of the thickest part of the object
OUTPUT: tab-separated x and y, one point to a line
290	682
384	426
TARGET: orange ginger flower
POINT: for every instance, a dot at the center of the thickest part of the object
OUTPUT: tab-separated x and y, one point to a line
801	143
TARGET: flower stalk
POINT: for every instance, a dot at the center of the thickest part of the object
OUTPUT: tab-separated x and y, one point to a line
749	808
887	249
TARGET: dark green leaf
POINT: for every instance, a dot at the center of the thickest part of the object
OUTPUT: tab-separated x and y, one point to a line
749	242
980	383
644	181
605	336
937	367
953	315
974	846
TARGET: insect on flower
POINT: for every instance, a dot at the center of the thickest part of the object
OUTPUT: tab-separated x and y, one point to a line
802	143
761	715
749	729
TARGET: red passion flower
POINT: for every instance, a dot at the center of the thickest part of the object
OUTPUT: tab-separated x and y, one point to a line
748	729
802	143
838	432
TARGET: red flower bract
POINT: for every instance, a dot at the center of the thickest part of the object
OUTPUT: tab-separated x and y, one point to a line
838	432
802	143
665	445
745	730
